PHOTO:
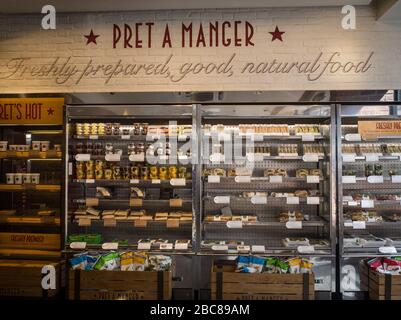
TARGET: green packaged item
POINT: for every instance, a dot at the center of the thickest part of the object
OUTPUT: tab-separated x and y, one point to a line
93	238
270	265
121	242
282	266
110	261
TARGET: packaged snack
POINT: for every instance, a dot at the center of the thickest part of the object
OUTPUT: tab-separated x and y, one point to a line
110	261
306	266
126	261
90	262
270	265
159	263
139	262
282	266
242	262
257	263
78	262
294	265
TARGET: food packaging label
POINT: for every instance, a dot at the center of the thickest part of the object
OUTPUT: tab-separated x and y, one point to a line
213	179
242	179
78	245
259	200
243	248
375	179
396	179
178	182
219	248
276	179
292	200
93	137
349	179
306	249
110	246
166	246
352	203
353	137
134	181
372	157
313	200
156	181
140	157
254	157
234	224
310	158
90	181
144	246
112	157
175	202
258	249
388	250
312	179
222	199
181	246
360	225
348	157
307	137
367	203
82	157
293	224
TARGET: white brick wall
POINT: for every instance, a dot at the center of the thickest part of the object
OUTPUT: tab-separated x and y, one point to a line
308	32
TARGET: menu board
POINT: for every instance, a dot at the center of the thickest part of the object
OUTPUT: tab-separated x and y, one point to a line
371	130
31	111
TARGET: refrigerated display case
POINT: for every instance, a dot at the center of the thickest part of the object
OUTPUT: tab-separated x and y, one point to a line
131	182
268	184
369	186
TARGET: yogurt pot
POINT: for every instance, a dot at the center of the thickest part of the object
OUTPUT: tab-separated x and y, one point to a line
10	178
18	178
13	147
57	147
35	178
23	147
26	178
35	145
3	145
44	145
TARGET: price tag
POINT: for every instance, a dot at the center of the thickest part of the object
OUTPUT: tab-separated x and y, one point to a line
166	246
90	181
82	157
111	222
219	248
234	224
78	245
84	222
371	157
112	157
135	202
181	246
213	179
222	199
92	202
388	250
359	225
306	249
144	245
216	157
348	224
293	224
259	200
175	202
375	179
396	179
110	246
140	157
276	179
349	179
125	137
257	137
258	249
156	181
93	137
349	157
353	137
254	157
312	179
313	200
307	137
367	204
178	182
134	181
347	198
182	137
140	223
244	248
310	157
242	179
172	223
352	203
292	200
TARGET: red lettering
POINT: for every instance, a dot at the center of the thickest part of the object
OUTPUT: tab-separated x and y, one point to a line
116	35
127	36
248	34
166	37
186	29
138	42
214	29
201	37
149	24
226	41
237	40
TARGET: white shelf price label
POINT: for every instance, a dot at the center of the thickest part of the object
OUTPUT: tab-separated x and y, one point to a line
78	245
375	179
213	179
306	249
140	157
388	250
112	157
82	157
166	246
156	181
144	245
313	200
222	199
349	179
110	246
359	225
349	157
182	137
181	246
348	224
259	200
242	179
352	203
216	157
312	179
93	137
125	137
219	248
353	137
258	249
396	179
89	180
276	179
254	157
307	137
310	157
234	224
293	224
371	157
134	181
257	137
367	204
178	182
292	200
243	248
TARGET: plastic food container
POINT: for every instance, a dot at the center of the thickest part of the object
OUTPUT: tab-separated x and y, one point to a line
10	178
35	178
44	146
3	145
35	145
26	178
18	178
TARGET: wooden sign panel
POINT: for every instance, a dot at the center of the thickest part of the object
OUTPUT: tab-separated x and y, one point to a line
371	130
31	111
30	241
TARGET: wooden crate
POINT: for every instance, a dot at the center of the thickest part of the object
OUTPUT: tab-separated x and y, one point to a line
119	285
23	278
380	286
226	284
31	241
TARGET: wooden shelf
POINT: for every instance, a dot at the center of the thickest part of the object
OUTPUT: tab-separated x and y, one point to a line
23	187
51	154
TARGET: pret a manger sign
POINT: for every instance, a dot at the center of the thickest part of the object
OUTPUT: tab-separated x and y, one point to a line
371	130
